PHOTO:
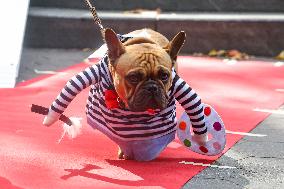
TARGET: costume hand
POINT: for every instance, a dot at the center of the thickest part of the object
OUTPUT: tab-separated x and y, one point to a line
51	118
201	139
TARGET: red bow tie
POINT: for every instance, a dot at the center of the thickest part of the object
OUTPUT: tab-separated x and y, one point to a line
111	99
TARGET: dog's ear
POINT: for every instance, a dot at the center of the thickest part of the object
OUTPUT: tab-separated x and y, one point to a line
115	47
176	44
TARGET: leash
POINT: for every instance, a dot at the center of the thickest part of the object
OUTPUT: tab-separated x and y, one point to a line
96	17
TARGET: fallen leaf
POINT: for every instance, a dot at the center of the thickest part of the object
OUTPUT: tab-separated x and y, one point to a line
221	53
280	56
212	52
231	54
143	11
86	49
234	53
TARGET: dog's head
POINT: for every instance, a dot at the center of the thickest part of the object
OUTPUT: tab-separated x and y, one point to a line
141	70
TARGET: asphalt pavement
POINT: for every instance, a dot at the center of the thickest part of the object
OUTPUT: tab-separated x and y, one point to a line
255	162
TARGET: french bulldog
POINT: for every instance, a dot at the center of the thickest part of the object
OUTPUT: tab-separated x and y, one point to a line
141	67
141	71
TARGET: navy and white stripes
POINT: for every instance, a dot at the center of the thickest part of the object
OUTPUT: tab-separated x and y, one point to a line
74	86
122	123
191	103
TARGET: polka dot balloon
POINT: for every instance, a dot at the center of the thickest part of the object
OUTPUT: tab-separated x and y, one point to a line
215	127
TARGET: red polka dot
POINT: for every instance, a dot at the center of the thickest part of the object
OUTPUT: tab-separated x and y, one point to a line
217	126
203	149
216	145
207	111
182	125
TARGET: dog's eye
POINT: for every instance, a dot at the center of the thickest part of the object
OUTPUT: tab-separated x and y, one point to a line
133	78
164	76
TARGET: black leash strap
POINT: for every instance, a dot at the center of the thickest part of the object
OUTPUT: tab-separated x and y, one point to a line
44	111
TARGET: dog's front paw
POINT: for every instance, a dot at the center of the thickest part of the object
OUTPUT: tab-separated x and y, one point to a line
120	153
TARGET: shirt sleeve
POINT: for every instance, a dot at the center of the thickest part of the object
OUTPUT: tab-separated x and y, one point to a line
73	87
191	103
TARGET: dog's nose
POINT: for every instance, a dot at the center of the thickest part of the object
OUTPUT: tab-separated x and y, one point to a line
152	88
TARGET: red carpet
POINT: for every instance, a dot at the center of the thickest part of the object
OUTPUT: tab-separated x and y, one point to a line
31	158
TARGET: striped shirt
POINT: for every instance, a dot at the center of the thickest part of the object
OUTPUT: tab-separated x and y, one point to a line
123	123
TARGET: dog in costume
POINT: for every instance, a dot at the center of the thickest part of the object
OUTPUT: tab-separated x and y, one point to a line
133	91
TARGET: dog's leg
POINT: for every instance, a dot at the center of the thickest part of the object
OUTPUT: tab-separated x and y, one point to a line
120	153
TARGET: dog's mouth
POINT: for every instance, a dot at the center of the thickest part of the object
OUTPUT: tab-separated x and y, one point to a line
144	101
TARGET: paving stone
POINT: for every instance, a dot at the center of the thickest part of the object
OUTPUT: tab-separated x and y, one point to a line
250	172
259	161
48	60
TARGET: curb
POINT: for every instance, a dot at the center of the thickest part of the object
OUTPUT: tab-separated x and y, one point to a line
255	34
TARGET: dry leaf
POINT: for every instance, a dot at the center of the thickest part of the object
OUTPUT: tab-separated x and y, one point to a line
143	11
221	53
234	53
231	54
280	56
86	49
212	52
